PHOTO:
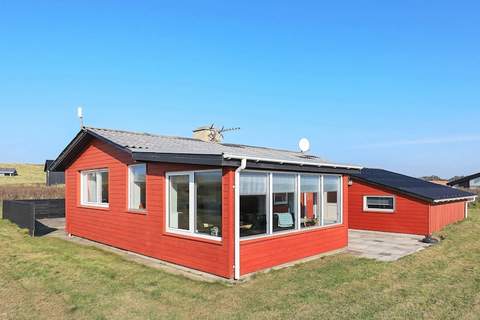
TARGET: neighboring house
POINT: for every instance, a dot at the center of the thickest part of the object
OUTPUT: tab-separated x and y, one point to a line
53	177
382	200
225	209
4	172
435	179
468	182
440	182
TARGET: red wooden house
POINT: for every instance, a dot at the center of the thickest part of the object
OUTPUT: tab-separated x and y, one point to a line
225	209
381	200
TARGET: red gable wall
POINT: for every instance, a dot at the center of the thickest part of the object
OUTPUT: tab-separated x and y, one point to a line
446	213
410	216
145	233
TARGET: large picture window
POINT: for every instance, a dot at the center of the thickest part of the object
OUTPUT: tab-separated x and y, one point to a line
137	198
280	202
284	201
475	183
195	203
94	187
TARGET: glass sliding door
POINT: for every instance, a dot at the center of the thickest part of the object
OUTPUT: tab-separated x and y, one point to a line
253	203
310	208
331	198
208	195
284	209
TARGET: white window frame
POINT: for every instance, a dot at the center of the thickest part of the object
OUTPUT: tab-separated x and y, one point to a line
83	177
319	199
130	179
367	209
192	205
298	228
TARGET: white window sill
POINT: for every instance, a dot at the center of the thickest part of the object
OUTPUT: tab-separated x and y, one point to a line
188	234
137	211
94	206
379	210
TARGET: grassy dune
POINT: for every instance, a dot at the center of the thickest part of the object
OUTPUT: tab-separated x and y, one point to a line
29	184
27	174
47	278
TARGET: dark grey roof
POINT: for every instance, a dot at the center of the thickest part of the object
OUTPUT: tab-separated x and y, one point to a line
8	170
151	147
145	142
464	179
414	187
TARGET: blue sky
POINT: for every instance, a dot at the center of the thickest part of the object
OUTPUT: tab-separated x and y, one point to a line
376	83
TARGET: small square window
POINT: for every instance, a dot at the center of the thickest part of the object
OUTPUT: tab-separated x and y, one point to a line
94	187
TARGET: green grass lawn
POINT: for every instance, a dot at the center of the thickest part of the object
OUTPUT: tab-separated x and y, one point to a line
27	174
48	278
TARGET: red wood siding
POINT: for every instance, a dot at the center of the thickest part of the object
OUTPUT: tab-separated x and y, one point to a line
410	216
145	233
445	214
263	253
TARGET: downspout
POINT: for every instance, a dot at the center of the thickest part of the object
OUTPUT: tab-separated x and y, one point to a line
236	263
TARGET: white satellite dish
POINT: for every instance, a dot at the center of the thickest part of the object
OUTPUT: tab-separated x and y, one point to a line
304	144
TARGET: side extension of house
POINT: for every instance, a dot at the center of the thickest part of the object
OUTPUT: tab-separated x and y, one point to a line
385	201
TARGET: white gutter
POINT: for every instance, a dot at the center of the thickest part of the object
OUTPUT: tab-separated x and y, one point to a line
236	262
301	163
472	198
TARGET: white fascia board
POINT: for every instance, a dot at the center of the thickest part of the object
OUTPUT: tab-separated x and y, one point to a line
301	163
472	198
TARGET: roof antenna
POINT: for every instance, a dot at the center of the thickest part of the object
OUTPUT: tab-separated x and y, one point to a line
223	130
80	116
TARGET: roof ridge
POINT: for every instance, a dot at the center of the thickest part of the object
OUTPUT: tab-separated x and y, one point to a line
296	153
145	134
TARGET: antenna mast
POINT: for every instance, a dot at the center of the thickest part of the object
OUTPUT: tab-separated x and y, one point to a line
80	116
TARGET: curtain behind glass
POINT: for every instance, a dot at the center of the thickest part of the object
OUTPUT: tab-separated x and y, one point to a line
138	187
283	183
91	179
252	183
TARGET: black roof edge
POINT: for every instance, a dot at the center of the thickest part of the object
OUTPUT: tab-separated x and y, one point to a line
219	160
464	179
185	158
77	143
47	165
411	194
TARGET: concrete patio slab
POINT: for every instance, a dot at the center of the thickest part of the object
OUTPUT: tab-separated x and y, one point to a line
383	246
